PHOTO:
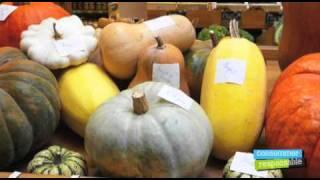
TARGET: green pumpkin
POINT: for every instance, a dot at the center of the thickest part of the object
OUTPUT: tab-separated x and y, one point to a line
146	136
10	53
196	60
29	106
58	161
227	173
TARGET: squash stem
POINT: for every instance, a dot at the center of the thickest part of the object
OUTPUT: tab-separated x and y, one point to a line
140	104
57	36
159	42
234	28
214	40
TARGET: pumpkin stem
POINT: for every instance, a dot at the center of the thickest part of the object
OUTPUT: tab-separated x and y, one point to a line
56	36
140	104
234	28
159	42
213	37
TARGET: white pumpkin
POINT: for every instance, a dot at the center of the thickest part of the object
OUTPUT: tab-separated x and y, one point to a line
59	43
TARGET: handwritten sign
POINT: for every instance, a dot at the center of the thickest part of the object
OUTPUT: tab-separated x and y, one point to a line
175	96
167	73
66	47
231	71
6	10
245	163
159	23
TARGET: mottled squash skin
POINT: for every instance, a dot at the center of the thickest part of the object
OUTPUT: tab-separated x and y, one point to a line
13	123
10	53
292	119
29	107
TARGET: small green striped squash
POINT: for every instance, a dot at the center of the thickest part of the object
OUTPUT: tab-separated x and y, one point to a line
58	161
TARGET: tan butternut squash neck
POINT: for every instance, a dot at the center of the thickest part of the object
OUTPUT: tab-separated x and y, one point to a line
140	104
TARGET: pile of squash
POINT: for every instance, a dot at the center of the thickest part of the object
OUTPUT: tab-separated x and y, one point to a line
214	102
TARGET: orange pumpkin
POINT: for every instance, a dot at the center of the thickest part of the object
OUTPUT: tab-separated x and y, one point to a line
160	54
293	115
25	15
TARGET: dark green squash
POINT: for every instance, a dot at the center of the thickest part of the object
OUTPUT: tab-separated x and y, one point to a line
10	53
29	108
13	123
195	60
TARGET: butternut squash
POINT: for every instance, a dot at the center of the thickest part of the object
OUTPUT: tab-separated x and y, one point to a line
163	63
121	43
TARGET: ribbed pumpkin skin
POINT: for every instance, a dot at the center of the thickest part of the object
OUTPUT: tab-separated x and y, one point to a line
166	141
58	161
29	106
10	53
292	119
24	16
236	111
13	123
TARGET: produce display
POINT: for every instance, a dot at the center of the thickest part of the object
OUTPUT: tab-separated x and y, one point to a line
227	173
59	43
292	114
121	43
30	106
150	66
235	106
25	15
58	161
146	136
82	90
82	94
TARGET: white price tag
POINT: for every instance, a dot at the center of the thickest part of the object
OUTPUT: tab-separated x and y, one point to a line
15	174
75	176
231	71
159	23
213	5
167	73
66	47
6	10
244	163
175	96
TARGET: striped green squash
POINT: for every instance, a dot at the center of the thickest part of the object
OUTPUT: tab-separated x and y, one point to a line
227	173
58	161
